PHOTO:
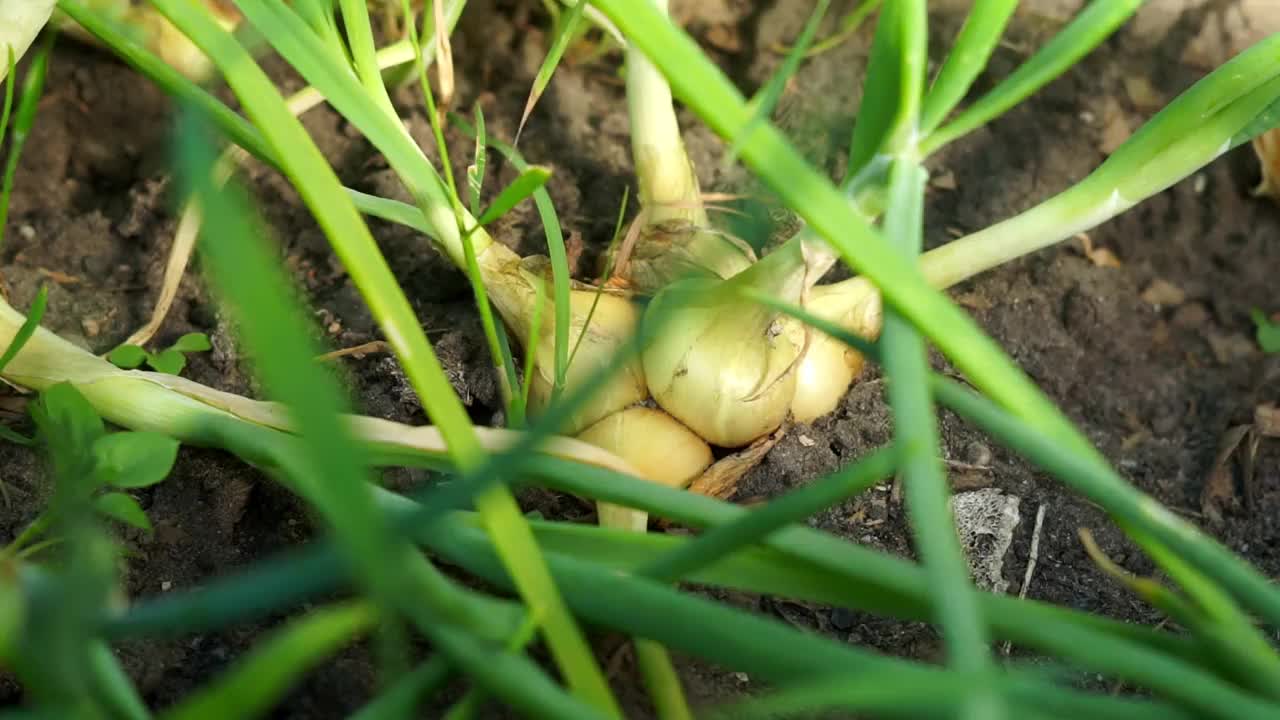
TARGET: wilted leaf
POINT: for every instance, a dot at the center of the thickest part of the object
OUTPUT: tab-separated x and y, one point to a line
1267	147
28	328
1102	257
721	479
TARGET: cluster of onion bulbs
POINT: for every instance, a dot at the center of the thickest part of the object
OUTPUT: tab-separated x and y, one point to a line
714	369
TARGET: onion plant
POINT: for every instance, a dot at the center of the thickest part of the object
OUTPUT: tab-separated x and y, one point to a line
630	383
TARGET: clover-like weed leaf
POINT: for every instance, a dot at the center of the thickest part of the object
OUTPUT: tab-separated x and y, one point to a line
134	459
122	507
1268	332
192	342
128	357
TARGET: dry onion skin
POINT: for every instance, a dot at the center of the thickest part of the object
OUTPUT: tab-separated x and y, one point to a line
1267	148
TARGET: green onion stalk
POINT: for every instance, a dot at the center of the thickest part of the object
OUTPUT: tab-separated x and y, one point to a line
1200	126
186	410
673	238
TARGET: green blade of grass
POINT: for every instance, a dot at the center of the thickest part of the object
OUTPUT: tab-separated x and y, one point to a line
353	243
236	128
701	85
723	540
568	26
529	181
11	79
28	328
261	679
401	699
325	467
916	437
763	648
560	271
476	171
966	60
767	98
23	120
849	24
906	365
1093	25
882	693
811	566
881	102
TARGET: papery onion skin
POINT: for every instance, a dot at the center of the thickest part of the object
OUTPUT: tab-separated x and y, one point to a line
613	325
723	367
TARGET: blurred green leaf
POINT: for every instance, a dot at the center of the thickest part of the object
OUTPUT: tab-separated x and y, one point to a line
258	681
1268	332
23	120
12	610
134	459
69	426
119	506
192	342
127	357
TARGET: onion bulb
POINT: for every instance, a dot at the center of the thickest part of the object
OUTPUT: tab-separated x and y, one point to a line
152	30
828	366
20	23
512	284
657	446
719	364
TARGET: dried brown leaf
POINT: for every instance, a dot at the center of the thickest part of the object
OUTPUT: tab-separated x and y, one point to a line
721	479
1219	493
1099	256
1266	420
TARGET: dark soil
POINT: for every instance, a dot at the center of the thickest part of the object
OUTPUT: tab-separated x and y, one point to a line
1154	385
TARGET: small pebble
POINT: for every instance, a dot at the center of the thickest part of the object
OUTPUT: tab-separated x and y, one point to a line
842	619
976	453
26	232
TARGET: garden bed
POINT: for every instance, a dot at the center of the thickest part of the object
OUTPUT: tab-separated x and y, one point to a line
1143	336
